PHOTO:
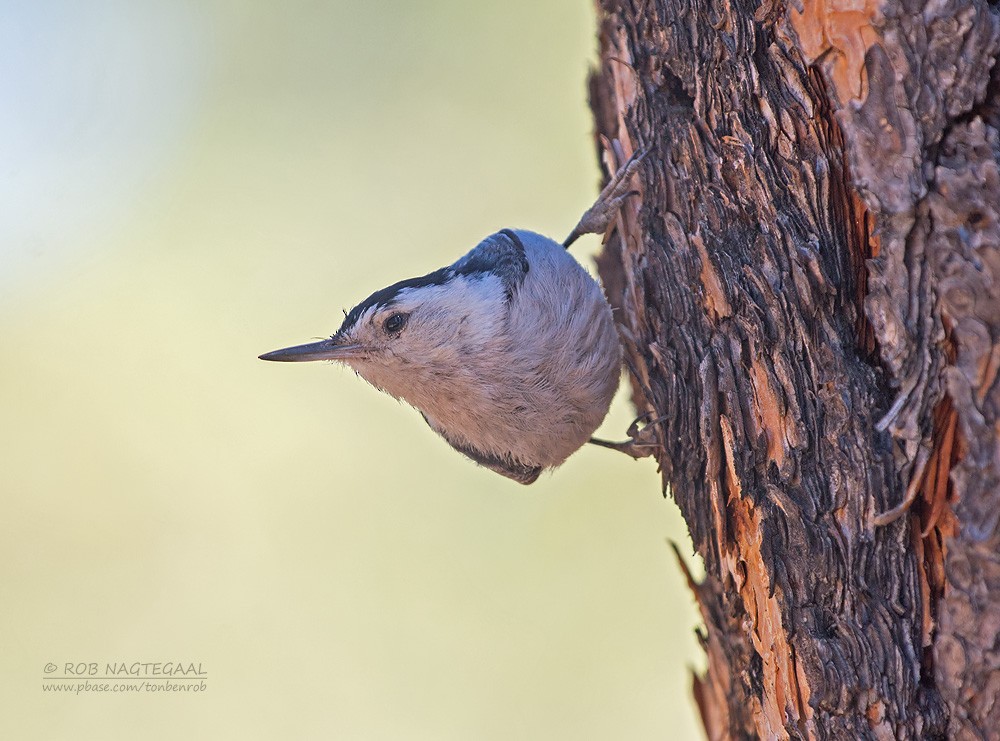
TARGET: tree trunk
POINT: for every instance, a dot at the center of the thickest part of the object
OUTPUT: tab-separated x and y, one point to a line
809	288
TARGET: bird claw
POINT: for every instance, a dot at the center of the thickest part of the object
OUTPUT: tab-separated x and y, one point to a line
641	443
597	218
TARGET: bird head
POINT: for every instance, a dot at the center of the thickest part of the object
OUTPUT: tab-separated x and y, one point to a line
417	331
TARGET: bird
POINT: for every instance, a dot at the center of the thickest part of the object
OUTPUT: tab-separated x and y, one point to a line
511	353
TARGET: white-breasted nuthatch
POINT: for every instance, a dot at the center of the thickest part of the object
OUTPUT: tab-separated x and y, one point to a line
510	354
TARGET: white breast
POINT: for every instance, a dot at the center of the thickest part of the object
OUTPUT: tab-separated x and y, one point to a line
547	379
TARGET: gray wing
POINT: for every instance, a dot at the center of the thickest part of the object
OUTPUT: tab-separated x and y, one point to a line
519	472
501	254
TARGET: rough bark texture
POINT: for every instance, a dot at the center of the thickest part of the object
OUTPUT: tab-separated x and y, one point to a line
809	288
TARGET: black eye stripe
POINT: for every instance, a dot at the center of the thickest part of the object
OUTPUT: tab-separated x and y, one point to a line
387	296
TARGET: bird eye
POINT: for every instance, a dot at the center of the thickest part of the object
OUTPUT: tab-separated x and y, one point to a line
395	323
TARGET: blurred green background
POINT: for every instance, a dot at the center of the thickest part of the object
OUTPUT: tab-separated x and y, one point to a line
188	184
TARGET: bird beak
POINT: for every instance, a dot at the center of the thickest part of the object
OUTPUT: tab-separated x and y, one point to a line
331	349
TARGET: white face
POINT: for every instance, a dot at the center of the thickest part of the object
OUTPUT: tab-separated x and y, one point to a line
375	333
422	339
423	334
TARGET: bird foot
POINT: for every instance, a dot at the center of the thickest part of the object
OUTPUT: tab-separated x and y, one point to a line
597	218
641	443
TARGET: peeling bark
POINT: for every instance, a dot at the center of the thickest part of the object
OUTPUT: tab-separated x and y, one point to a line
809	292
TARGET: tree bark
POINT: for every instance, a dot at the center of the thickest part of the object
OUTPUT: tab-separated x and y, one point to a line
809	290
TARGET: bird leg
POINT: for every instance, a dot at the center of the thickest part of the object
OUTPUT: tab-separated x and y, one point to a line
597	218
641	443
